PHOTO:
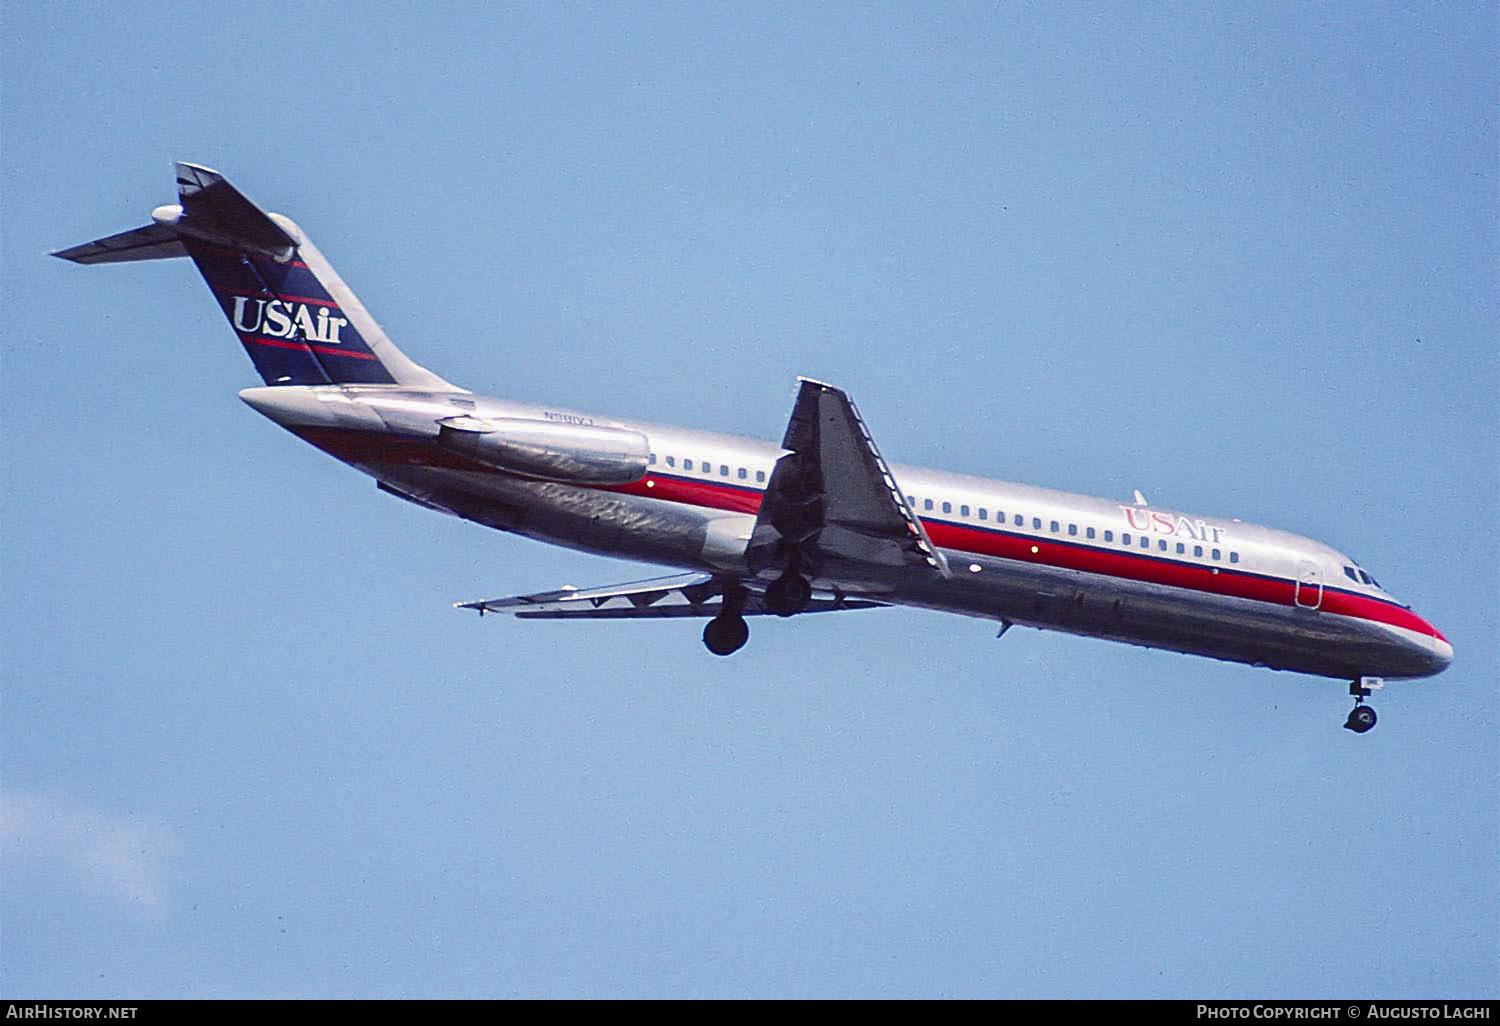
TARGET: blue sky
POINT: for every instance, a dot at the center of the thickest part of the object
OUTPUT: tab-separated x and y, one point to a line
1243	260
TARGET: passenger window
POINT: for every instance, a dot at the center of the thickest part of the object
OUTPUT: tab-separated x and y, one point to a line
1181	549
1036	523
1124	538
927	505
1215	554
963	511
1109	536
984	514
1056	527
723	470
760	476
1234	557
651	458
1073	530
1162	544
671	461
1198	551
743	475
1020	521
687	464
947	507
1089	532
1146	542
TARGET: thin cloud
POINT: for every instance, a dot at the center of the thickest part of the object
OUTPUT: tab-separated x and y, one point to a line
124	857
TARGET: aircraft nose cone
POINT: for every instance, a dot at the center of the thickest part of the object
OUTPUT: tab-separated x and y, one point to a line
1442	655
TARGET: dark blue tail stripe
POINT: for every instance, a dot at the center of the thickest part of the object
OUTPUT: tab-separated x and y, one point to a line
292	329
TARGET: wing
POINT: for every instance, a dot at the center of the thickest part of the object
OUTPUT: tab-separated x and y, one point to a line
697	595
832	496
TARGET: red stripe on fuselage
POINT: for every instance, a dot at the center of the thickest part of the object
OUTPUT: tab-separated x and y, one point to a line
711	494
370	447
362	447
1155	570
1072	556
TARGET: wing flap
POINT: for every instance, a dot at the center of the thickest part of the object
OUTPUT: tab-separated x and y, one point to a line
683	595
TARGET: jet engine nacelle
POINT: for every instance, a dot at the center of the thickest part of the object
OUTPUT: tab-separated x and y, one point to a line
583	454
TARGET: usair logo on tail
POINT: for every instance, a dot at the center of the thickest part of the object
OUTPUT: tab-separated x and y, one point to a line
281	318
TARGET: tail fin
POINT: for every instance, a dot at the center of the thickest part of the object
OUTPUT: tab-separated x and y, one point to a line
294	315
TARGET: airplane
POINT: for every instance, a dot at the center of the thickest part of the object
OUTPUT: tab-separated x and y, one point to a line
820	523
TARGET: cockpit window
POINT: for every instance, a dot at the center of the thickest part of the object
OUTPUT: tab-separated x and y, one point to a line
1358	573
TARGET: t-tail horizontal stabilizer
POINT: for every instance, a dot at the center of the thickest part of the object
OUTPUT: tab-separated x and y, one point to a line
295	316
153	242
210	211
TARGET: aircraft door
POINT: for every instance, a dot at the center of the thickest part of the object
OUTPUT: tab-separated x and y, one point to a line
1309	593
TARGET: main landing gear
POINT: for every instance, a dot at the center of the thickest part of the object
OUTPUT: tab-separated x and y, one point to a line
727	632
726	635
1362	717
789	594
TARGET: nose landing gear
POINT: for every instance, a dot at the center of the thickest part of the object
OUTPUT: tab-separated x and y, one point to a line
1362	717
